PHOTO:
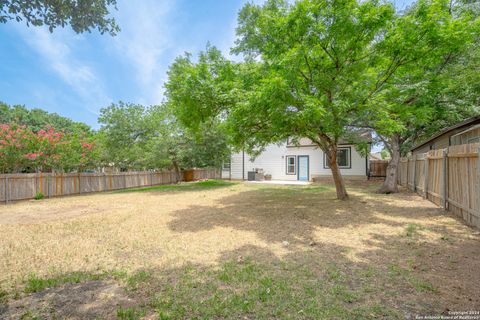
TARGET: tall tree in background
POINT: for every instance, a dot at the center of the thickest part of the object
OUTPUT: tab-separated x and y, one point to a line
432	42
37	119
124	135
138	137
81	15
176	146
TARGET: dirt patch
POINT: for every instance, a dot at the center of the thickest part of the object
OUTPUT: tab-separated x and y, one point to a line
89	300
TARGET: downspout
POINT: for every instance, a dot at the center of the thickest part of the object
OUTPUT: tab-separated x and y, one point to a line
243	164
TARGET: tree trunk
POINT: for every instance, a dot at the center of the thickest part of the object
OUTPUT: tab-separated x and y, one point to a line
177	171
337	176
390	183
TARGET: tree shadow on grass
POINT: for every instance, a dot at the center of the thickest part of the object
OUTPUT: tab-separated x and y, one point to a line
253	282
431	255
310	257
290	214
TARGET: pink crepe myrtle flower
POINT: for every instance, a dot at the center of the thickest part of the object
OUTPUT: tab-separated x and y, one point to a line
31	156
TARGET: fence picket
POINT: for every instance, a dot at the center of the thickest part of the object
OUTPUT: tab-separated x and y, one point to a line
445	178
25	186
448	179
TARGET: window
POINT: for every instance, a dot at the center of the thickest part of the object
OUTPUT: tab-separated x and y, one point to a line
344	158
291	164
226	165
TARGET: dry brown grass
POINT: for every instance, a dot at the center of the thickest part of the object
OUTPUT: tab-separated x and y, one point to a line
164	230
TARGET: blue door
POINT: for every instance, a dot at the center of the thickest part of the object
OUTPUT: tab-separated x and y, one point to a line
303	168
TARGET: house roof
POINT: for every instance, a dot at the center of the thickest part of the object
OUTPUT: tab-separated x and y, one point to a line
460	125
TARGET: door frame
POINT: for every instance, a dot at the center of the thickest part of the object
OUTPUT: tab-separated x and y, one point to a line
298	166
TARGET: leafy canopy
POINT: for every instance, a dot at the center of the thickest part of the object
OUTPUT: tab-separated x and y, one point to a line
139	137
80	15
316	68
37	119
427	43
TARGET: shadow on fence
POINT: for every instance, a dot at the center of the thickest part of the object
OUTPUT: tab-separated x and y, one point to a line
25	186
448	177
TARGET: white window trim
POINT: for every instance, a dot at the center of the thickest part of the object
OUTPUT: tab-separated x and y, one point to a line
294	165
349	158
226	168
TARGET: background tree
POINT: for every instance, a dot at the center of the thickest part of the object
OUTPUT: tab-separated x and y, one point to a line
124	135
180	148
37	119
138	137
424	96
80	15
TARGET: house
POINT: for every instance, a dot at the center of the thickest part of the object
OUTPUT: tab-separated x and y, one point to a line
465	132
303	161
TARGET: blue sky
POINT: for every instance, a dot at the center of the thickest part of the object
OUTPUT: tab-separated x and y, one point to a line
76	75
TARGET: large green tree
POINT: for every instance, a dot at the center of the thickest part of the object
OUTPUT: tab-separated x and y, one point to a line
433	89
307	74
81	15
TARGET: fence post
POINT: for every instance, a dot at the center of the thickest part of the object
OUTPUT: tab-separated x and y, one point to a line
79	183
105	182
48	185
408	165
425	184
414	187
478	178
445	178
6	190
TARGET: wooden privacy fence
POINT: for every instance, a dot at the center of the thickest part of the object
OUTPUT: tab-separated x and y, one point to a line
448	177
377	168
26	185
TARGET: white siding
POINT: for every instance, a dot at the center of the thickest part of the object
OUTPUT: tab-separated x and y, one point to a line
273	161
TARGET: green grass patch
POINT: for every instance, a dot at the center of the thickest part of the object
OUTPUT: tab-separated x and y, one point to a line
241	290
405	274
185	186
3	296
30	315
412	229
130	314
36	284
422	285
136	280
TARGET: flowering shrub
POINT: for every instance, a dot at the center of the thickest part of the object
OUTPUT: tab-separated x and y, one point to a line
22	150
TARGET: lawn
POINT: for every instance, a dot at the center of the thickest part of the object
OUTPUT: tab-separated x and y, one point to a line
235	250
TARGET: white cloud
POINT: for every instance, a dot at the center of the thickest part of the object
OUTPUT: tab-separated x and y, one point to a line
144	39
56	51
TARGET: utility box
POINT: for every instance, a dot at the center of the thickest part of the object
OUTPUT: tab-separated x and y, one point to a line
256	175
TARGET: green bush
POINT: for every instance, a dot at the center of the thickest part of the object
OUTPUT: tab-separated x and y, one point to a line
39	196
